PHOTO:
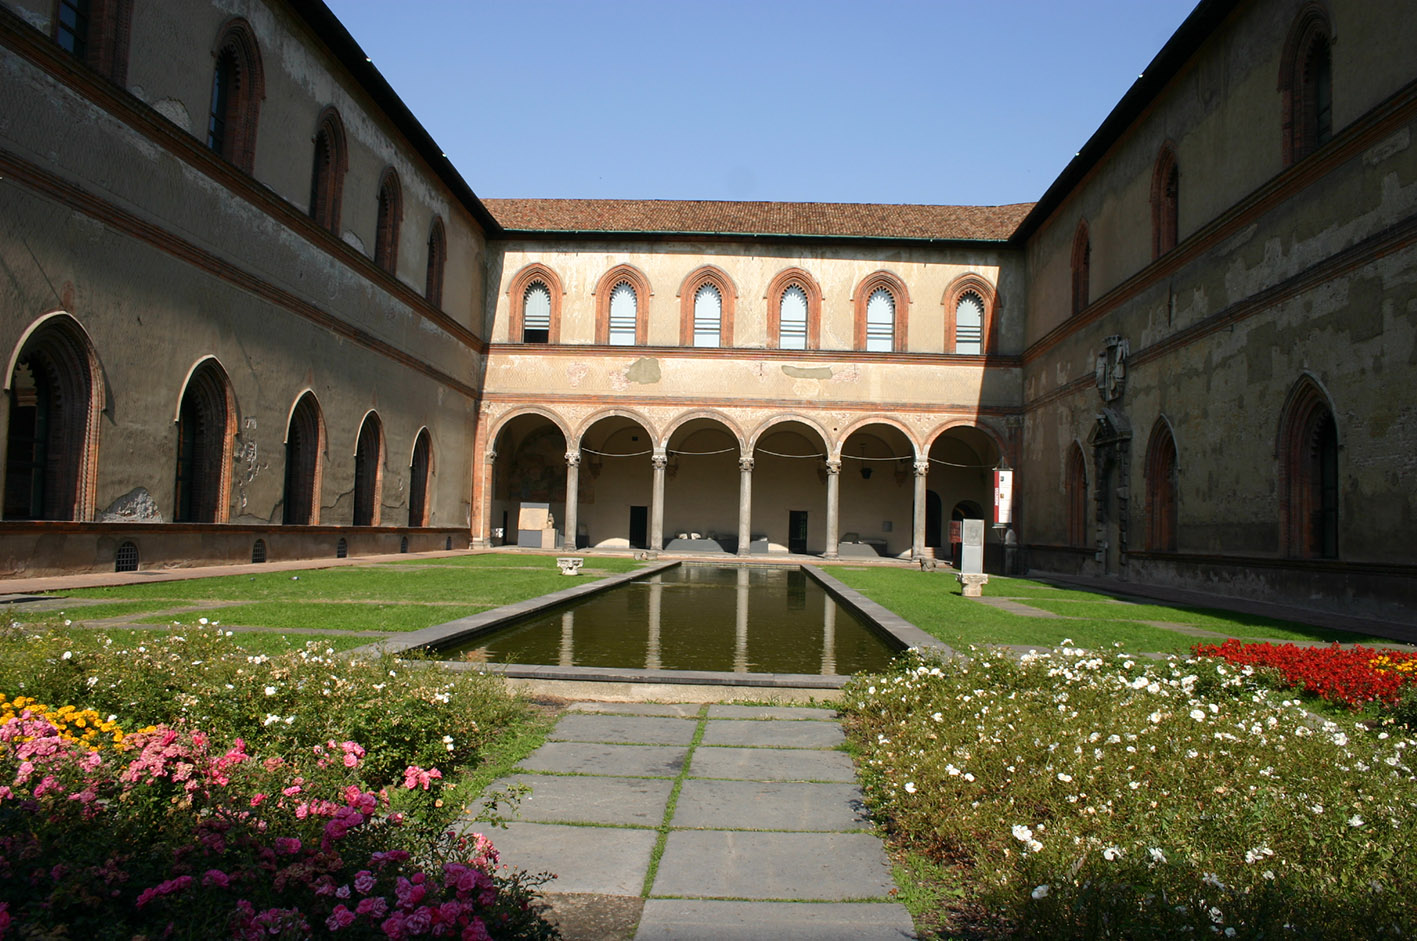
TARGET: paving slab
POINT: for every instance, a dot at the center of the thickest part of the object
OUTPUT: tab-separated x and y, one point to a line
770	764
682	710
601	860
769	805
555	798
583	917
650	761
720	711
640	730
747	865
777	733
695	920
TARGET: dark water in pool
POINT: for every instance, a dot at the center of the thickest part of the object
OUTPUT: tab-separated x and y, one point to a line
698	617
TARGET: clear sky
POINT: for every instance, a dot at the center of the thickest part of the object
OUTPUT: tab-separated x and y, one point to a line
824	101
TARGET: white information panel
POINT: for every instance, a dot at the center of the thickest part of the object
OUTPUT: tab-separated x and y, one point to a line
1003	496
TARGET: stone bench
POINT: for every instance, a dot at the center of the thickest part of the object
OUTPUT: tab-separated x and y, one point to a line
570	565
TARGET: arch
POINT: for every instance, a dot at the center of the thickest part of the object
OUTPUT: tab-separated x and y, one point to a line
1161	473
390	220
420	473
978	285
996	438
811	331
1165	201
1306	83
437	261
635	278
1075	490
616	412
767	424
368	470
55	387
860	423
517	289
96	33
900	300
688	295
707	413
1307	447
238	88
1081	267
206	427
495	428
327	174
304	452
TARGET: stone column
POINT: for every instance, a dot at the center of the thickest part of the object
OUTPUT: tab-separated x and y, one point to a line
484	488
656	511
745	504
917	540
833	504
573	488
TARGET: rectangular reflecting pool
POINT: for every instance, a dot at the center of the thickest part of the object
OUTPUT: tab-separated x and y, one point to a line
696	617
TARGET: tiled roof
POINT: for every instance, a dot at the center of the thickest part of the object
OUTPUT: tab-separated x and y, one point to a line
722	217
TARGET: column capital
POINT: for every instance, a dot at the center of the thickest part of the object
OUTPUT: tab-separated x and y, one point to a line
573	458
659	459
833	467
490	456
745	464
922	468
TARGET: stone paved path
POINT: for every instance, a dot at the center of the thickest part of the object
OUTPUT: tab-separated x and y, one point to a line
695	822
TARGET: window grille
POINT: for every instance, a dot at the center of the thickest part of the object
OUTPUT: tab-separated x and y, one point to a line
536	313
708	316
624	314
403	544
342	549
126	558
258	552
969	324
792	319
880	321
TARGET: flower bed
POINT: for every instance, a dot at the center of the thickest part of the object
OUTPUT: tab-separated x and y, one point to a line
1074	795
1353	676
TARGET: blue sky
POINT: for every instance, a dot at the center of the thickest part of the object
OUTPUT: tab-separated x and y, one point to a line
828	101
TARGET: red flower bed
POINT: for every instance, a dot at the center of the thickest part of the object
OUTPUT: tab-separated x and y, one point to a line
1348	676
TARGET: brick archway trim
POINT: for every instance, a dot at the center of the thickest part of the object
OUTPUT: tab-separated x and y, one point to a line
975	283
516	301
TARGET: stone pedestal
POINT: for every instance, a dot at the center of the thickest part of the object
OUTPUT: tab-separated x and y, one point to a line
973	584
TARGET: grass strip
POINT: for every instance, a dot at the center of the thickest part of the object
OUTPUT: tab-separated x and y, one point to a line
327	615
501	759
662	831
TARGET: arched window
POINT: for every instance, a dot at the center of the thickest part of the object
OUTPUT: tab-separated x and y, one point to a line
327	175
534	303
881	304
1082	268
304	444
707	299
420	469
368	471
1077	497
970	303
52	438
205	426
437	260
1161	490
1306	84
386	233
1309	473
238	86
96	33
969	324
1165	194
536	313
621	299
794	305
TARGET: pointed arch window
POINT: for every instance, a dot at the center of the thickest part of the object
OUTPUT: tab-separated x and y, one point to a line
205	427
1165	199
238	87
969	324
881	303
1309	469
419	472
1306	84
304	445
792	319
536	313
708	315
1161	486
1082	268
624	313
368	471
327	175
52	437
621	307
880	321
707	299
437	260
390	217
794	310
96	32
1076	486
534	305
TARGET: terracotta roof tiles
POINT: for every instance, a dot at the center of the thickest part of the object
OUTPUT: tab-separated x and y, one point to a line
722	217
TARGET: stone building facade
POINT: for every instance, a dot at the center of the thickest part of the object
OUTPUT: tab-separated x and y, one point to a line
252	311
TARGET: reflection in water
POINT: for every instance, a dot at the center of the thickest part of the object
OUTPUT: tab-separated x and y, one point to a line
748	619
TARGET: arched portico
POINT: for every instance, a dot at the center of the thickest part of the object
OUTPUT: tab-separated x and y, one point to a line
702	486
878	498
962	461
529	468
785	480
620	492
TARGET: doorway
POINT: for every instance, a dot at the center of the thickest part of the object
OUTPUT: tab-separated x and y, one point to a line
797	531
639	527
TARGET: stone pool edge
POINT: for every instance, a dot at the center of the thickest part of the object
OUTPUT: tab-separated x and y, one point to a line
878	615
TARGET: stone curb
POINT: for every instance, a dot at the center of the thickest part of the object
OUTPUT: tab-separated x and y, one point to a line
898	628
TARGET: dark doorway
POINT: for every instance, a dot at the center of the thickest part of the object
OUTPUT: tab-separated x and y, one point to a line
639	527
797	531
933	512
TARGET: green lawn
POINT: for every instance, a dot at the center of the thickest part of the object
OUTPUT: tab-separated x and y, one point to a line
328	615
1091	619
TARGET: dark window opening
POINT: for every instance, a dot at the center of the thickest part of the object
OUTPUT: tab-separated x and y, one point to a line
418	481
126	558
403	544
223	80
366	473
342	549
258	552
73	27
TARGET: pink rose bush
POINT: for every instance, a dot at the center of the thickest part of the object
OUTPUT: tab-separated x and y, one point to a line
170	834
